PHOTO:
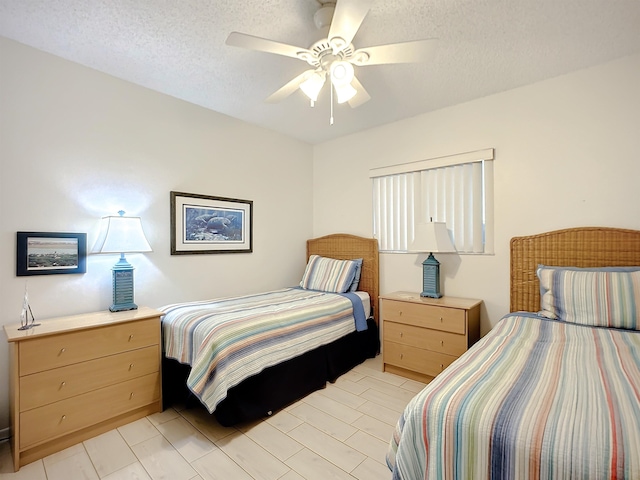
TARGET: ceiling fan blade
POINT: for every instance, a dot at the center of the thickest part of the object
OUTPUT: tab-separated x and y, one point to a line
347	18
288	88
405	52
244	40
361	97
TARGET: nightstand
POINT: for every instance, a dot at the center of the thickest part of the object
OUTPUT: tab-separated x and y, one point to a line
72	378
423	336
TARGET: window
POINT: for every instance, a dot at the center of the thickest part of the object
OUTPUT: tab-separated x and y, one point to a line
457	190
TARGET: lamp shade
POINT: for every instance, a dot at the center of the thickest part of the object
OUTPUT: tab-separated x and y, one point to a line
432	237
120	234
341	73
341	76
312	85
345	92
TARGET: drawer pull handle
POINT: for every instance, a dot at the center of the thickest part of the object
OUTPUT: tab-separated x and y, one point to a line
131	396
131	337
401	334
441	367
440	319
401	356
400	312
63	384
131	366
442	343
64	417
62	350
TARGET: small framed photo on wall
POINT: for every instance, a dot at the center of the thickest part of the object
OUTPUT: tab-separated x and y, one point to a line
48	253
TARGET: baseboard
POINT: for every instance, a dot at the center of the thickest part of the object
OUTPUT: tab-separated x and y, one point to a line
5	433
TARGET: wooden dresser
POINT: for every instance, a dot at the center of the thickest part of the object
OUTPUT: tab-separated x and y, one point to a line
423	336
75	377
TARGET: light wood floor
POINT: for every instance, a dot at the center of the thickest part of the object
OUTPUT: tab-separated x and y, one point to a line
340	432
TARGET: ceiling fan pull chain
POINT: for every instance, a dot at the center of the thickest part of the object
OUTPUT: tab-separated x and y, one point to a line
331	114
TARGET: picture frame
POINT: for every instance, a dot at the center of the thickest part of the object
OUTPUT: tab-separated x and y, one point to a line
49	253
202	224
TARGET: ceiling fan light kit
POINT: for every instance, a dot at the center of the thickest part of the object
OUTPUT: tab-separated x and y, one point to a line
334	55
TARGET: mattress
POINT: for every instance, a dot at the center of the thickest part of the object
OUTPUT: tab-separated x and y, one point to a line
366	303
535	398
228	340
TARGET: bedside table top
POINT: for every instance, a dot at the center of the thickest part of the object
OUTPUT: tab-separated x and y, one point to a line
446	301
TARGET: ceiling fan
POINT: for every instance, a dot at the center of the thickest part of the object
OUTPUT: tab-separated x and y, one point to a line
334	56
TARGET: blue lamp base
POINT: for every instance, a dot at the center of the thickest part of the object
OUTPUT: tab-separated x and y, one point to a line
431	278
122	286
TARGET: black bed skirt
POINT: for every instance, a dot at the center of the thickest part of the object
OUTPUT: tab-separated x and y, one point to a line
280	385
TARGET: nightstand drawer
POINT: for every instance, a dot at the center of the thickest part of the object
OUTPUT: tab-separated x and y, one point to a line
54	385
54	351
60	418
426	316
416	359
435	340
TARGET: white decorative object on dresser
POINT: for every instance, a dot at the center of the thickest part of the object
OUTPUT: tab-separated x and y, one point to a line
422	336
72	378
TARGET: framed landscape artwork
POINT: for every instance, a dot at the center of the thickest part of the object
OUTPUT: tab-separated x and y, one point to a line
46	253
207	224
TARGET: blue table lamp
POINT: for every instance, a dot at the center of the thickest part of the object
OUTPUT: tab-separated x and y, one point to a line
122	235
431	237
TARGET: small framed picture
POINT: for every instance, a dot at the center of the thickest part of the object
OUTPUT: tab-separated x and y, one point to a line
206	224
47	253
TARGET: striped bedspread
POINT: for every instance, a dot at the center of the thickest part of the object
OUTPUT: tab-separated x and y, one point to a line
533	399
227	340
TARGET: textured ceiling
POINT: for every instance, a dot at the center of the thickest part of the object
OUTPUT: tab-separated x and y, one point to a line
178	47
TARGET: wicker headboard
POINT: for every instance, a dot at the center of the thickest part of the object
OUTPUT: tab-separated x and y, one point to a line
348	247
577	247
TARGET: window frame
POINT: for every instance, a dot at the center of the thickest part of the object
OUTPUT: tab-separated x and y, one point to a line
412	209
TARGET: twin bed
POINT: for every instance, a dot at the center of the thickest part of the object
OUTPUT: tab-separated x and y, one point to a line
553	390
246	357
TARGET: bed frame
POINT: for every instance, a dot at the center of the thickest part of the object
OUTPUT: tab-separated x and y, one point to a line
279	385
348	247
577	247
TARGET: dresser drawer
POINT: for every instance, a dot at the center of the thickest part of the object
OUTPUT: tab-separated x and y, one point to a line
60	418
54	385
416	359
435	340
54	351
428	316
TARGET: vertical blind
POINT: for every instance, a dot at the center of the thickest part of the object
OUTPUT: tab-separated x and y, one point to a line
457	190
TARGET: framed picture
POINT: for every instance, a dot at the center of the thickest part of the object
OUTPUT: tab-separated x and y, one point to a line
47	253
206	224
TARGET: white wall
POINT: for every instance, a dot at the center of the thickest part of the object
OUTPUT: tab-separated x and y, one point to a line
567	153
76	145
